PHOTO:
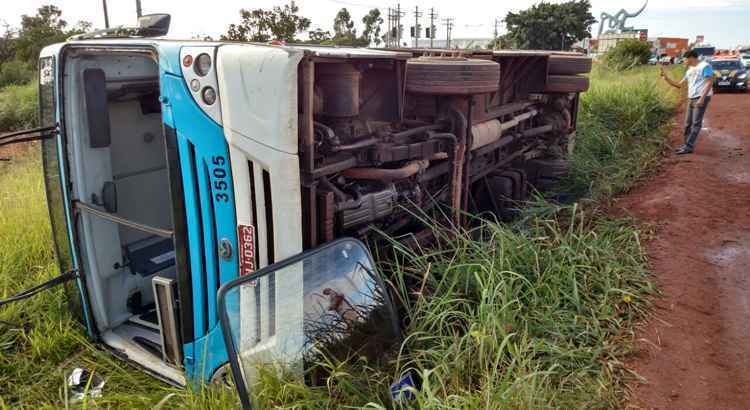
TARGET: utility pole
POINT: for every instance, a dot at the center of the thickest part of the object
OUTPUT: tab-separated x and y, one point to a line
448	27
388	36
106	16
399	14
417	15
433	16
496	34
138	10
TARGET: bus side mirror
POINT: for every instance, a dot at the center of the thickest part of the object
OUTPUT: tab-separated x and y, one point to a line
153	25
97	110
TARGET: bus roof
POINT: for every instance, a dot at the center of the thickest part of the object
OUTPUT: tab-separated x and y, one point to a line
312	49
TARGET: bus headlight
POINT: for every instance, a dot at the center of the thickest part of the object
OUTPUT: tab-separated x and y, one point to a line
201	78
202	65
209	95
195	85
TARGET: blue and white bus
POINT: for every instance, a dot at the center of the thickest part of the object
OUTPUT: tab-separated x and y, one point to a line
205	196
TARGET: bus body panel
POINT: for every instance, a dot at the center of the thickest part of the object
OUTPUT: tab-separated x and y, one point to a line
82	310
258	87
209	199
259	104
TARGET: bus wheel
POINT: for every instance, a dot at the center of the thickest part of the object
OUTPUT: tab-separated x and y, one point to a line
222	377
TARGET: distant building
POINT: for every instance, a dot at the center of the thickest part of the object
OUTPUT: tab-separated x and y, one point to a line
671	46
607	41
479	42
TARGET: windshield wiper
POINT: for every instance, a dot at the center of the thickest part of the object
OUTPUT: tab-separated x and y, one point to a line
42	133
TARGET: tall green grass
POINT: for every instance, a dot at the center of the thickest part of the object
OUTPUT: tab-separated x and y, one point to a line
622	126
534	315
15	72
530	315
19	107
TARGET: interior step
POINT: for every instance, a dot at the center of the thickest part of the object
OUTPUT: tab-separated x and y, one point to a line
148	319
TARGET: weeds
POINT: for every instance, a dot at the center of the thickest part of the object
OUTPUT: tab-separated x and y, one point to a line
627	54
527	316
622	126
19	107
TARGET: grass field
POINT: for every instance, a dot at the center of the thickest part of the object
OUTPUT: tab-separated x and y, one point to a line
18	107
623	122
537	314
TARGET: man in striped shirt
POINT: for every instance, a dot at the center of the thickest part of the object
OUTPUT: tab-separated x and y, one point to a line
700	81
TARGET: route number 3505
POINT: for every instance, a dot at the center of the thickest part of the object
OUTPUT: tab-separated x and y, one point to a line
220	184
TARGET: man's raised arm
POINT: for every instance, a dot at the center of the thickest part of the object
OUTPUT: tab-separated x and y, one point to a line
671	82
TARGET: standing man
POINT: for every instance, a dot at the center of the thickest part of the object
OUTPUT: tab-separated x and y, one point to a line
700	81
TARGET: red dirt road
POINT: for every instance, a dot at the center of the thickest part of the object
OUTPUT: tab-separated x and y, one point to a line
695	352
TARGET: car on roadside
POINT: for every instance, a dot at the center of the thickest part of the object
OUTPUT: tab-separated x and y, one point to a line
705	52
653	60
745	59
729	74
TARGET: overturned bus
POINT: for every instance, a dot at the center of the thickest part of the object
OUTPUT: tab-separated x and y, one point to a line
209	199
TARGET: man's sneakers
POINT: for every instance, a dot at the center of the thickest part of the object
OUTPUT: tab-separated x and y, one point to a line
683	150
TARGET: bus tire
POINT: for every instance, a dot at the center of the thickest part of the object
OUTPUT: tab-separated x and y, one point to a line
569	64
451	76
566	84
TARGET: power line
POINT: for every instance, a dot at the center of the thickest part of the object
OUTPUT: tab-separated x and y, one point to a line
448	22
398	16
389	33
431	33
417	15
394	26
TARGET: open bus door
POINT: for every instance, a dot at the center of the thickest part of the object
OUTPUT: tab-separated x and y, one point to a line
328	300
55	165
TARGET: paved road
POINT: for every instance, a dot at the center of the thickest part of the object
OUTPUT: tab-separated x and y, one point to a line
696	350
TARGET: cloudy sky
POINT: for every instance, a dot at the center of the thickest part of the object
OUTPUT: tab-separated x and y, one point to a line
725	23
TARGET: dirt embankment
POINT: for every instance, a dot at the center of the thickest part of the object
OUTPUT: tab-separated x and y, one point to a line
696	350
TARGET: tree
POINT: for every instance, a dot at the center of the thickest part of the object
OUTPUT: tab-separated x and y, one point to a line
344	32
318	36
7	44
627	54
548	26
202	37
261	25
500	43
373	23
15	72
45	28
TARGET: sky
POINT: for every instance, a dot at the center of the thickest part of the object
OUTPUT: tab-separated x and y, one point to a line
724	23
